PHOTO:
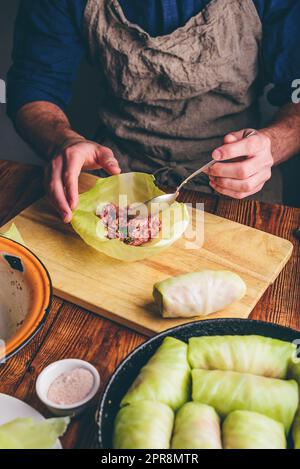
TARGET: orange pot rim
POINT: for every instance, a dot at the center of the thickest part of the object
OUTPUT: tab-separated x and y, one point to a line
41	302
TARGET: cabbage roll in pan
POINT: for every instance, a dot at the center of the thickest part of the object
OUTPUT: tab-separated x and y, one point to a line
294	373
197	426
246	354
250	430
165	378
294	369
143	425
228	391
296	430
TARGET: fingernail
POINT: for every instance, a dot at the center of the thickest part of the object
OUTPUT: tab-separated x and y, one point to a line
67	217
217	155
115	168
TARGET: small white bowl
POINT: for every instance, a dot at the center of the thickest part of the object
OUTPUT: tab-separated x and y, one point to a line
51	372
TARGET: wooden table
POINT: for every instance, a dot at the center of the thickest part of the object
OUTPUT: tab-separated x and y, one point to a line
71	331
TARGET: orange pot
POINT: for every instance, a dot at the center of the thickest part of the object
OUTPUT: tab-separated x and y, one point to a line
25	297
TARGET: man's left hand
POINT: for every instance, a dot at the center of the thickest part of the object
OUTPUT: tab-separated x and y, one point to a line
251	170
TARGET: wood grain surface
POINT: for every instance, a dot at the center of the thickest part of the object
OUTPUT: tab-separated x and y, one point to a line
71	331
122	291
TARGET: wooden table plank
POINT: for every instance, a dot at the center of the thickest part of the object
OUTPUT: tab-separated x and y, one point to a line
78	334
73	332
20	186
12	374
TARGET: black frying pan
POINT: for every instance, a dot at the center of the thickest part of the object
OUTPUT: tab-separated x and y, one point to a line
128	370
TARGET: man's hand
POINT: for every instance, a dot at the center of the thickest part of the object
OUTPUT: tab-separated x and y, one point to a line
251	170
62	173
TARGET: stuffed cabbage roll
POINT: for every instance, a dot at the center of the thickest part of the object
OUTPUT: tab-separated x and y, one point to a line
198	293
228	391
294	369
296	430
165	378
143	425
246	354
294	373
249	430
197	426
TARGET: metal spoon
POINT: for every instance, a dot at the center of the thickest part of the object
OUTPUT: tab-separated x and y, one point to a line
162	202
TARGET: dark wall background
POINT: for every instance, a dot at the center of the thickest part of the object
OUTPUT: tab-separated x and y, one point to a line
83	109
11	147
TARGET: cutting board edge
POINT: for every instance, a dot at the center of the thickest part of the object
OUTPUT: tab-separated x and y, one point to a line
284	261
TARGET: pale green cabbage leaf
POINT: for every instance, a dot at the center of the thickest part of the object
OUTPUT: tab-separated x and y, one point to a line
246	354
228	391
250	430
138	188
14	234
294	373
143	425
197	426
296	430
165	378
31	434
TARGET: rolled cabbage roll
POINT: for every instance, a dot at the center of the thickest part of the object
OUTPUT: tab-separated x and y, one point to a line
294	369
249	430
197	426
228	391
246	354
294	373
296	430
165	378
143	425
198	293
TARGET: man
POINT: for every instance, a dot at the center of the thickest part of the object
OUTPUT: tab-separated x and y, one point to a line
180	81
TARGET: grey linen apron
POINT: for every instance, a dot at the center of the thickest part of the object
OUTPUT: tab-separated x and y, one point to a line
168	101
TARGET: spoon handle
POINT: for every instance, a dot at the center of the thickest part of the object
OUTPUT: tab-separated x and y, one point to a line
199	171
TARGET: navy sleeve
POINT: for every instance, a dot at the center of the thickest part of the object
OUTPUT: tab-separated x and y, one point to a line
48	49
280	51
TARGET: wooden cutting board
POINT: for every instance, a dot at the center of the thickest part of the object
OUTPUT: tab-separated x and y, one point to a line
123	291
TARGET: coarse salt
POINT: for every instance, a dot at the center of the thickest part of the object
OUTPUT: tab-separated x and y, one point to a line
71	388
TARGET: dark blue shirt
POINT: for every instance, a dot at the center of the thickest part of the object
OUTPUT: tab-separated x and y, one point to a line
49	44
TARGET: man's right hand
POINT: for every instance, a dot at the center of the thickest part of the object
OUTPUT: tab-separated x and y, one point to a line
62	173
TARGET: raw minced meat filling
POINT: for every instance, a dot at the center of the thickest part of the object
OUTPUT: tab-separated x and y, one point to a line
135	232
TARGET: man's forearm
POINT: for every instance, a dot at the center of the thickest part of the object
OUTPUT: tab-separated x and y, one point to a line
284	132
45	127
